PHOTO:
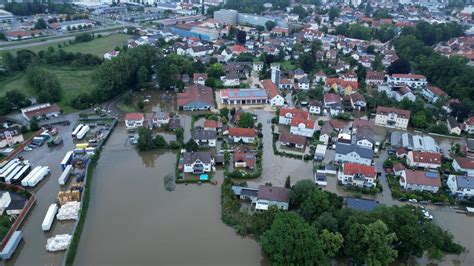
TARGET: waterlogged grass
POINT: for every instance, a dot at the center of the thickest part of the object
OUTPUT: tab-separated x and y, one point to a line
73	82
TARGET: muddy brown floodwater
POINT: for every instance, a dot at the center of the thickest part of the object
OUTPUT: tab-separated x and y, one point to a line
133	220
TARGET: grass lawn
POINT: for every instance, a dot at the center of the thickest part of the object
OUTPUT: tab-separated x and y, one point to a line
287	65
73	82
98	46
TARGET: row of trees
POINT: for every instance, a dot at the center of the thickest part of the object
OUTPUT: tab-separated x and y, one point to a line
32	8
318	229
385	33
255	6
13	100
23	58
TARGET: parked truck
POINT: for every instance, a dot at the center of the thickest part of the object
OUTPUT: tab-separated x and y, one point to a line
65	175
49	218
23	173
33	172
81	134
32	182
76	130
67	159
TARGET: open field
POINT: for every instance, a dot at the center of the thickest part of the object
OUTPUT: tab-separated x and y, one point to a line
73	82
97	46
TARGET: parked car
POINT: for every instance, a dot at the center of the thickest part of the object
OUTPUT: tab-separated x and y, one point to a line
427	214
32	145
402	199
413	201
26	148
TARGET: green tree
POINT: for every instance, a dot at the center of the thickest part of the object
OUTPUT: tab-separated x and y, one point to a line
288	182
371	244
216	71
301	191
145	139
127	98
34	124
314	205
224	112
142	76
40	24
291	241
400	66
333	13
246	120
269	25
241	37
191	145
331	242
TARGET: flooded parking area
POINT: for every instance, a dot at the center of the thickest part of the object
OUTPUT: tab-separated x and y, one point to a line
133	220
32	250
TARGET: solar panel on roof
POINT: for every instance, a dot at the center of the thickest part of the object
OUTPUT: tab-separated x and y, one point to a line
431	174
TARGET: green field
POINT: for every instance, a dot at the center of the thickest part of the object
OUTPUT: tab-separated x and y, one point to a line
73	82
98	46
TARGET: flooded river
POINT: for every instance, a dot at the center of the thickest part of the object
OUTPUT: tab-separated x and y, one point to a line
133	220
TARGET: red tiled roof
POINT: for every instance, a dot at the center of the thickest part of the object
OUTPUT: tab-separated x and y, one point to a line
421	178
355	168
357	97
242	132
53	108
279	194
134	116
194	93
331	98
470	121
337	124
409	76
465	162
426	157
297	121
212	124
343	83
270	88
386	110
375	75
398	167
196	76
294	112
436	91
238	49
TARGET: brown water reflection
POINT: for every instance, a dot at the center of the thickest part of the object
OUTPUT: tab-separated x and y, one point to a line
133	220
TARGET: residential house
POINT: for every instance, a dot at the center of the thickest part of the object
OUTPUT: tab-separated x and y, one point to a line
353	153
287	115
111	54
244	158
244	135
212	125
398	169
319	77
320	178
299	74
358	101
134	120
314	107
303	83
411	80
374	78
433	94
197	162
326	133
341	86
174	124
292	141
231	79
10	136
469	125
286	84
365	137
332	101
272	196
350	76
199	78
245	193
274	96
420	180
423	159
160	119
464	164
196	97
200	51
402	93
392	117
453	126
302	127
461	185
358	175
204	137
257	66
